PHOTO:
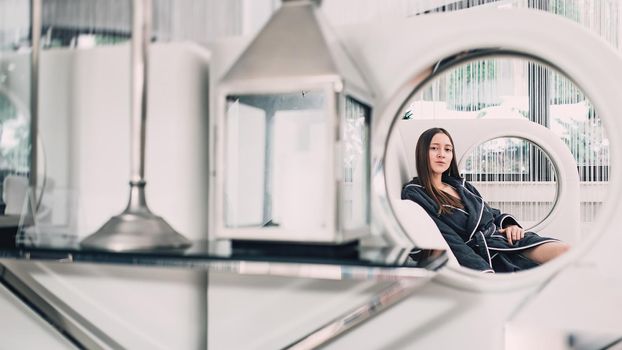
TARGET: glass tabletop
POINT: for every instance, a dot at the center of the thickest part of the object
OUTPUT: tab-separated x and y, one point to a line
356	262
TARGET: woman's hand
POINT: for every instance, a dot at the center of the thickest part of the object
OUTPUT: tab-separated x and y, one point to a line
514	233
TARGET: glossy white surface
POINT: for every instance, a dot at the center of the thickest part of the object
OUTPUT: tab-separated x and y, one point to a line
394	69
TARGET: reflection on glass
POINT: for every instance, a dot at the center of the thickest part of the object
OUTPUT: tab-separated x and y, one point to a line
276	153
14	138
515	176
356	162
516	88
14	112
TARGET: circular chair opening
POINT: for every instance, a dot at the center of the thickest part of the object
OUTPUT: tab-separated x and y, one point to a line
524	135
515	176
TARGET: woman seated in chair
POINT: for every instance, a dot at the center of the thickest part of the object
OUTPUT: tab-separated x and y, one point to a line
481	237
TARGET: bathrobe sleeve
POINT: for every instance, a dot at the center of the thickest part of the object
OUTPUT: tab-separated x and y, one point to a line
465	255
501	220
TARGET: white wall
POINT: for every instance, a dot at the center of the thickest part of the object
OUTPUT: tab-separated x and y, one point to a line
85	131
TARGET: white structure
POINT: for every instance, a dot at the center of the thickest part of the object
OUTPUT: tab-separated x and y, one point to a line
562	223
153	308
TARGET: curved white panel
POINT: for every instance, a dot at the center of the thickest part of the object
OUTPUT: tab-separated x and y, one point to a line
397	55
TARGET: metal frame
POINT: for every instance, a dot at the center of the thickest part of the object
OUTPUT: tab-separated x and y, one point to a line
83	334
69	323
390	296
264	67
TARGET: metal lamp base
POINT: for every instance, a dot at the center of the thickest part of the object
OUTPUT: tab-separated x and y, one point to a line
137	228
131	231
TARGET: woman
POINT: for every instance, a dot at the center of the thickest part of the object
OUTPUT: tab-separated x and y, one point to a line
480	237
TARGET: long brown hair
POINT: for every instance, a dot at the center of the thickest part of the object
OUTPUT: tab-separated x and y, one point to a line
422	160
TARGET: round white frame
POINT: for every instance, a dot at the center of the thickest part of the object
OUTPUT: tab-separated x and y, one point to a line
591	63
558	184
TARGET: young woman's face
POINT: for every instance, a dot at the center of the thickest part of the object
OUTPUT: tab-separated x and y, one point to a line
440	153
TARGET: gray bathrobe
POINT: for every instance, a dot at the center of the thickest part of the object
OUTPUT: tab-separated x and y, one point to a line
473	232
